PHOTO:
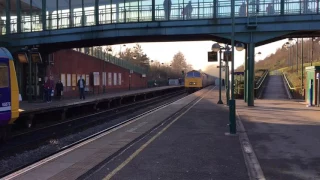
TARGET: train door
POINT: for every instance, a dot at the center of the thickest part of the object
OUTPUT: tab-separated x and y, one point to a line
5	93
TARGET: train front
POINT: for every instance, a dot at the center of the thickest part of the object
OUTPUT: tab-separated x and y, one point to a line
9	93
193	81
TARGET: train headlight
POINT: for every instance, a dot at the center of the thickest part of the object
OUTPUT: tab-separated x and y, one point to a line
192	83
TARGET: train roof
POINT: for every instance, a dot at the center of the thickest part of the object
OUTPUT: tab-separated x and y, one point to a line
5	53
201	73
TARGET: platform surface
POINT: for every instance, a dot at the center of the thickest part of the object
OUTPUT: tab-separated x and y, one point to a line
28	107
192	145
285	136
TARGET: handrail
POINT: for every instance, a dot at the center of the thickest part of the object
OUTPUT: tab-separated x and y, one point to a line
285	77
261	82
286	85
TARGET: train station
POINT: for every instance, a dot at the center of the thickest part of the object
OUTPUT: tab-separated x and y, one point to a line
95	89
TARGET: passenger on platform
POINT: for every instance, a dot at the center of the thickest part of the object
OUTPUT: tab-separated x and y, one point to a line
49	85
270	9
167	9
59	89
81	85
45	91
187	11
243	10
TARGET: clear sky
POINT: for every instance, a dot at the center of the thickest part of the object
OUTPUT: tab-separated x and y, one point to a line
196	51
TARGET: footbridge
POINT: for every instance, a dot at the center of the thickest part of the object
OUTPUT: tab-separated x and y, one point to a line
74	23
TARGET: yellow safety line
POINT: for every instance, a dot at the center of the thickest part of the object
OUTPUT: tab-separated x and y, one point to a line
111	174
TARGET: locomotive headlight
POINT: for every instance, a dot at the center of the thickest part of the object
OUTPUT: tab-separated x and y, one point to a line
192	83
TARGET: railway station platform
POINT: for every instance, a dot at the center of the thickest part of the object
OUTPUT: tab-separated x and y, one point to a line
285	135
183	140
277	139
31	107
64	109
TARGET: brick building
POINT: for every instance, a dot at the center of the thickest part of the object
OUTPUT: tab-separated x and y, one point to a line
100	75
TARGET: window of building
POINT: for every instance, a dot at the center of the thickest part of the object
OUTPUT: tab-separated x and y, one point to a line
119	78
69	80
63	79
4	75
104	78
110	79
115	79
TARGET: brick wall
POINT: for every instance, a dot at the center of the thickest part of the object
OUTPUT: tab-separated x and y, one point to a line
71	63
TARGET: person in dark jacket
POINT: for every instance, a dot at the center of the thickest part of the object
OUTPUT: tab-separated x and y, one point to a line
59	89
81	85
49	86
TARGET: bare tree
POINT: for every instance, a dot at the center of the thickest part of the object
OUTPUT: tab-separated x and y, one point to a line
179	63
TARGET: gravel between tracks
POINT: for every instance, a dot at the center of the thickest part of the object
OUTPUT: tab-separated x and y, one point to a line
10	163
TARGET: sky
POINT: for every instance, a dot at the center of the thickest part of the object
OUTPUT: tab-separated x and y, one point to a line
195	52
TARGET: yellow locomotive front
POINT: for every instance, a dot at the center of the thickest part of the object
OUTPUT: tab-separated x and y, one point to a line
193	81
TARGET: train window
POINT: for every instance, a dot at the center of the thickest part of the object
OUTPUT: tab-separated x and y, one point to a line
193	74
4	75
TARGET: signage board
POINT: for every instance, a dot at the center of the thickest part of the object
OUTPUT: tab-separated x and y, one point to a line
36	57
22	57
212	56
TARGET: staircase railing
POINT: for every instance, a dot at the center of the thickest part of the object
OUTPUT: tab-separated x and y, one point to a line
287	85
260	85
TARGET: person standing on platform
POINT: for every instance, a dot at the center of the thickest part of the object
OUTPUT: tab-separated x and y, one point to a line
81	85
59	89
49	85
45	90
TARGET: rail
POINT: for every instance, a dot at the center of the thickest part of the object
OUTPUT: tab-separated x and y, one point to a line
287	86
258	84
258	90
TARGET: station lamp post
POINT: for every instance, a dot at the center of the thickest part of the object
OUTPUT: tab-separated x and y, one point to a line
290	40
232	103
109	51
131	72
219	48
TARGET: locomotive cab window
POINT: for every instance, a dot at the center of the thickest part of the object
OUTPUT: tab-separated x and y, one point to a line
4	75
193	74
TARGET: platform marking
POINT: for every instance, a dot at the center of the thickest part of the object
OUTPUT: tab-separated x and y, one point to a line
254	169
137	152
55	156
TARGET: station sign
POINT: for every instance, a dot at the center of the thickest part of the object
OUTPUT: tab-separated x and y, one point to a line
212	56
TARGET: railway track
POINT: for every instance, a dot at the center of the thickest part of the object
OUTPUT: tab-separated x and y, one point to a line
36	138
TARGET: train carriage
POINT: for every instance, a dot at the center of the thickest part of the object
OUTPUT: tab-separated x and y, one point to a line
9	93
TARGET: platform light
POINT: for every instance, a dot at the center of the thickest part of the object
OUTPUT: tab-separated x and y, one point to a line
215	47
239	46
